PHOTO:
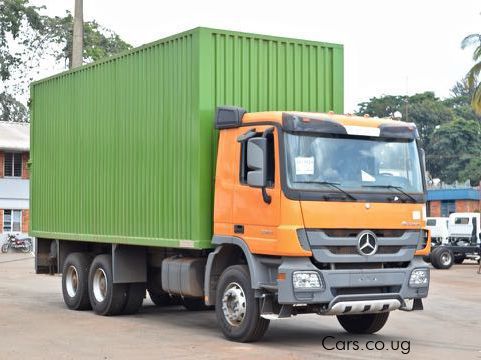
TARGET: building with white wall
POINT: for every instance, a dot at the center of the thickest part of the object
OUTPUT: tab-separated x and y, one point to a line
14	175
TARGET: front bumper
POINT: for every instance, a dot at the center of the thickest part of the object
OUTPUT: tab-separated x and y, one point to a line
356	286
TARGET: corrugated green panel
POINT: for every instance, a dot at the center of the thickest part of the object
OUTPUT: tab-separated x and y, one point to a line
123	150
116	147
269	73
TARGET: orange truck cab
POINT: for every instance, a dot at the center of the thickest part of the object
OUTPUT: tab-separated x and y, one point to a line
327	214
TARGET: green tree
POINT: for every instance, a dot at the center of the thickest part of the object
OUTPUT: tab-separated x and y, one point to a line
455	146
26	36
99	42
472	171
472	76
20	23
427	114
11	109
22	30
460	100
384	106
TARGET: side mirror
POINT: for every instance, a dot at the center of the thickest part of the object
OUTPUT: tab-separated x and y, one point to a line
257	162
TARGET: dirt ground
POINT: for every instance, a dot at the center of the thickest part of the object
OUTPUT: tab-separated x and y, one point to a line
35	324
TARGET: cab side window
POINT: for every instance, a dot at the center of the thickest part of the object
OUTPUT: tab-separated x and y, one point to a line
243	169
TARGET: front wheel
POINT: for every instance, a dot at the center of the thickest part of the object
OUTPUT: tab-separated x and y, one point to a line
442	258
236	308
5	248
27	247
363	323
135	298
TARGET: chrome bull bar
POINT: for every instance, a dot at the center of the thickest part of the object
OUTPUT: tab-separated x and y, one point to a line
363	307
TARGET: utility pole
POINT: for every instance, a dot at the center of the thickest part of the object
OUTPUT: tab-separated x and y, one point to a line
78	35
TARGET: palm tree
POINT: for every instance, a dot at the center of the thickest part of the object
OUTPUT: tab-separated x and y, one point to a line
472	76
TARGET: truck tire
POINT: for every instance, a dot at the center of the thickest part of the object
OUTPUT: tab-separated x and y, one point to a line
442	258
75	275
135	298
27	248
195	304
236	307
434	259
363	323
106	297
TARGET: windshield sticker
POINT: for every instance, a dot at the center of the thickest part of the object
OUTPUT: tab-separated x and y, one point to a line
304	165
367	177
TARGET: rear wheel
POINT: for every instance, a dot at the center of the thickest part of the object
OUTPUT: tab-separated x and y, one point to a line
236	307
442	258
135	298
75	281
106	297
363	323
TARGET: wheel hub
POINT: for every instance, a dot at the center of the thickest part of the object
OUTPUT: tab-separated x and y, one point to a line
445	258
100	285
71	281
234	304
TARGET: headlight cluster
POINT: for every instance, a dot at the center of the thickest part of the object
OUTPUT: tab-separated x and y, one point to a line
306	280
419	278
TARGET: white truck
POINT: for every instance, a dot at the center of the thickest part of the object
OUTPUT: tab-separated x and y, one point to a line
463	241
438	226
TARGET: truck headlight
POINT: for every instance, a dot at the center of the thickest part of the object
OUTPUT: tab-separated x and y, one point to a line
419	278
306	280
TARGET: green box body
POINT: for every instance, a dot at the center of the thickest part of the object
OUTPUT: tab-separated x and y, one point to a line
123	150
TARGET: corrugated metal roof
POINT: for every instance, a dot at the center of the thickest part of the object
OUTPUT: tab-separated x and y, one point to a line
454	194
14	136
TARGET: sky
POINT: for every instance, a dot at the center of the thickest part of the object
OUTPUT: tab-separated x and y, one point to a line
390	47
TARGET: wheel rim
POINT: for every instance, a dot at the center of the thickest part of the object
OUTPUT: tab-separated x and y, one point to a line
445	258
234	304
100	285
71	281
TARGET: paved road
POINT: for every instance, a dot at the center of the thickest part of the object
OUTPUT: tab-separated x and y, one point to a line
34	324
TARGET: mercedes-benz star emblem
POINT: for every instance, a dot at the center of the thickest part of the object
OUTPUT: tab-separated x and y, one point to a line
367	243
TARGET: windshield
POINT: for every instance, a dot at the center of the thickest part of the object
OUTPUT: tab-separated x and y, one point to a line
352	164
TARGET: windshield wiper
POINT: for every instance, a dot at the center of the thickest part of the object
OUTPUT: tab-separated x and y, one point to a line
332	184
398	188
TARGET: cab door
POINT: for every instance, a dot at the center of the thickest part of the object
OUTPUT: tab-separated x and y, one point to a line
255	220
